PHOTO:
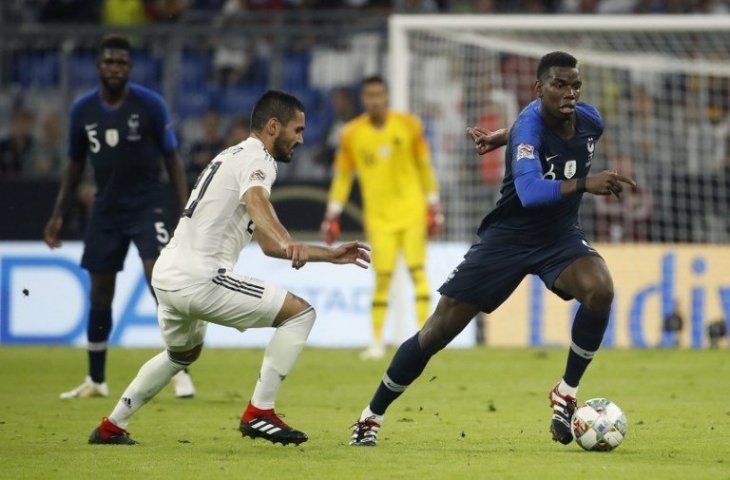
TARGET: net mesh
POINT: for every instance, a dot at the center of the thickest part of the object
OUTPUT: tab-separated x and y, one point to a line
663	94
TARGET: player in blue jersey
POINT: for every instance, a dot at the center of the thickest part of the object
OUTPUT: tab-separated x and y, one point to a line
533	230
124	129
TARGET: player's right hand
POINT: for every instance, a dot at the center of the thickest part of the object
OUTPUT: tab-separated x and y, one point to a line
486	141
53	228
607	182
330	228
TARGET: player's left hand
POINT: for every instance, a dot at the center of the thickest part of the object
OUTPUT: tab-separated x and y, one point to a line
436	220
485	140
355	252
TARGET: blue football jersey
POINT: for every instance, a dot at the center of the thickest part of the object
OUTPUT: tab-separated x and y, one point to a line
560	159
125	145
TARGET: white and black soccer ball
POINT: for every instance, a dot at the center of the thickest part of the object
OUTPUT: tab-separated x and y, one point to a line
599	425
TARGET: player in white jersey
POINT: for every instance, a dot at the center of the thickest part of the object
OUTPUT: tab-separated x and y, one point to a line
195	284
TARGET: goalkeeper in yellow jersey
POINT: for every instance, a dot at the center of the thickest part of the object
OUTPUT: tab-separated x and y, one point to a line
389	153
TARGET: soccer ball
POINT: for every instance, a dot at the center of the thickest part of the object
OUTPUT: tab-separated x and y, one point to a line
599	425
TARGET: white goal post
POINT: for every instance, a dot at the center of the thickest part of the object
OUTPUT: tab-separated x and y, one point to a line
662	84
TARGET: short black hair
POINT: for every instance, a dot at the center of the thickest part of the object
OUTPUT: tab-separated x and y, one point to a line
555	59
369	80
274	104
115	41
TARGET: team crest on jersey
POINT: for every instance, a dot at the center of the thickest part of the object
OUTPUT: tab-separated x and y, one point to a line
133	124
570	169
525	151
111	136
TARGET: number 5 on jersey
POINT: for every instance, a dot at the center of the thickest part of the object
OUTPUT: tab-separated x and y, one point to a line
204	179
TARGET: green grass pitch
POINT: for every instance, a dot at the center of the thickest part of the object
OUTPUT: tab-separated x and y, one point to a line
478	413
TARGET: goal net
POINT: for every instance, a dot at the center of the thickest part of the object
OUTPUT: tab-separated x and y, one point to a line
661	83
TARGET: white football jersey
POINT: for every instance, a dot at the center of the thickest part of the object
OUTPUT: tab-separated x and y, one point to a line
215	225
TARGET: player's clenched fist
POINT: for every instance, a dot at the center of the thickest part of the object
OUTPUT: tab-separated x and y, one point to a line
330	228
435	220
53	228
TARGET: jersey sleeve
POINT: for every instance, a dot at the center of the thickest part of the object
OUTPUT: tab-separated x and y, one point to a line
162	126
344	169
260	173
344	159
532	189
78	141
525	146
594	117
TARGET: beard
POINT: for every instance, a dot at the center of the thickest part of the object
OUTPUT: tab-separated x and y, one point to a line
279	152
114	88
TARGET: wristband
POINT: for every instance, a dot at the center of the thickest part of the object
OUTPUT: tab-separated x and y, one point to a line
580	185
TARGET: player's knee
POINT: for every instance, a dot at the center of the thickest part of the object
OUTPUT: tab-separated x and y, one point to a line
433	339
600	297
100	300
101	296
187	357
382	281
435	335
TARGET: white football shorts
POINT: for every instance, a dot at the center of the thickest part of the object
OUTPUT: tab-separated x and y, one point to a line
228	299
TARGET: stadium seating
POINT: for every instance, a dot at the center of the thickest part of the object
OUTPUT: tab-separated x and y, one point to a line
36	69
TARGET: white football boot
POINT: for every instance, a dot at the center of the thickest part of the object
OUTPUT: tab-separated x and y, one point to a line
87	389
183	384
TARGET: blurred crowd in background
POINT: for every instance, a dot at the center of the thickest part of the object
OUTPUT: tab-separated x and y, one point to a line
127	12
225	53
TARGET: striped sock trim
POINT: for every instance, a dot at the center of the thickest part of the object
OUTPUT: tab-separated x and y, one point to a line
392	386
581	352
96	346
178	362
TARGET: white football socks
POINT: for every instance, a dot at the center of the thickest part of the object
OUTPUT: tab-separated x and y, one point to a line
280	356
152	377
565	389
367	413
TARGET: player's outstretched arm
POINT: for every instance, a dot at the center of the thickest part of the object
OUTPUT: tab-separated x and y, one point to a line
485	140
275	240
69	184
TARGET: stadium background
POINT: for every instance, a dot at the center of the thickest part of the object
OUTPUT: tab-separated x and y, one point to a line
667	125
